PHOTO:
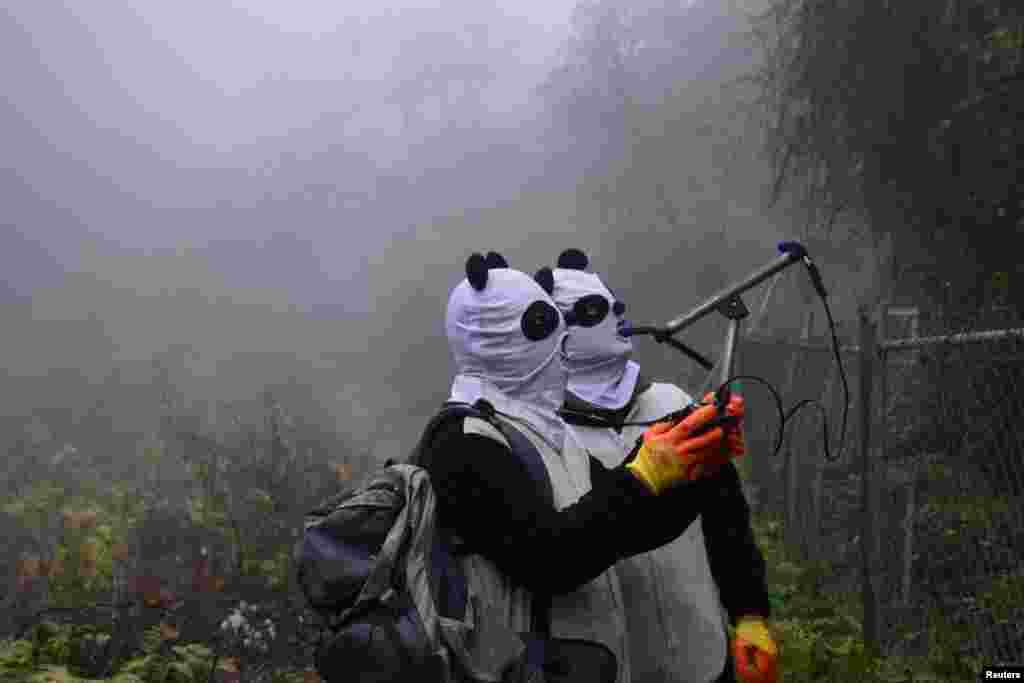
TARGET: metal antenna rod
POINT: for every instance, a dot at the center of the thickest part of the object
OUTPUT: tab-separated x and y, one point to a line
792	253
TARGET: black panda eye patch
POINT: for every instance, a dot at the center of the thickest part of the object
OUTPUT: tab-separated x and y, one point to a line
539	320
588	311
618	308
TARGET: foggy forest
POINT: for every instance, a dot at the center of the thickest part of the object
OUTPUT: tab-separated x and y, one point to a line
229	229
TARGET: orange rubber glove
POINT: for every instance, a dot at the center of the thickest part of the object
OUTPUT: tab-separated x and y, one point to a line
734	440
735	447
671	454
755	652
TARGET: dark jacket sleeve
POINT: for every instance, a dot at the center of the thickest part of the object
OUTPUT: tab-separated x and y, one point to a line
486	495
737	564
672	508
736	561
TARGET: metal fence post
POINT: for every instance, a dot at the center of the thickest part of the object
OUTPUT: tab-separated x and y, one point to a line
791	464
879	469
817	490
908	530
867	362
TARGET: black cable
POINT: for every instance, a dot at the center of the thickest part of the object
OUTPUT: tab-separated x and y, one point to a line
819	287
842	376
784	417
595	420
662	336
778	404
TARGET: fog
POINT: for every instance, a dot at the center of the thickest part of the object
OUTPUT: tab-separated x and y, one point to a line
265	194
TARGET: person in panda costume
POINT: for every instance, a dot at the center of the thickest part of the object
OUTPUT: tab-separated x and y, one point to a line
679	595
507	341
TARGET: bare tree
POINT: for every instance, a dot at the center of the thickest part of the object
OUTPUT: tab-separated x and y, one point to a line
907	115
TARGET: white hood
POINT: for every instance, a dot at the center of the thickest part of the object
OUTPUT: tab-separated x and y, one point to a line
598	358
495	360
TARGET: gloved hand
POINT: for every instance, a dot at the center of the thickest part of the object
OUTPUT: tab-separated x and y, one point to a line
734	440
755	652
671	453
737	445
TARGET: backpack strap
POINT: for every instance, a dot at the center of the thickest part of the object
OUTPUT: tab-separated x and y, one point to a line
529	456
519	444
420	455
521	448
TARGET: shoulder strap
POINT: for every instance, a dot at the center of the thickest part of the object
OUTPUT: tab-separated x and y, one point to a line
449	410
521	447
527	453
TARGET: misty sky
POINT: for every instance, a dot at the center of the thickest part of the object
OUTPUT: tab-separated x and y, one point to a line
208	76
181	171
115	112
256	176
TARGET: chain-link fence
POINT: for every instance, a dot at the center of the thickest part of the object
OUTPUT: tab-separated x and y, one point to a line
938	521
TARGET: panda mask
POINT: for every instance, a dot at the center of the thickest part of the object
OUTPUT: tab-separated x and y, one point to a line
506	337
598	355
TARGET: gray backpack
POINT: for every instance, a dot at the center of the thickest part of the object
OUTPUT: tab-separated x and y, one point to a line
352	563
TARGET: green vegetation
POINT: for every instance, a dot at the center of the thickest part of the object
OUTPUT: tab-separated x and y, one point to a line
83	561
56	654
819	630
1001	594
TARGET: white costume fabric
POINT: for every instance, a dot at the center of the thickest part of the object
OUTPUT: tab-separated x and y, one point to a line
525	382
494	359
600	371
675	620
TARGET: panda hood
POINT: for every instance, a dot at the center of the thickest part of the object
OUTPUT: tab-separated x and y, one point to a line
506	338
598	356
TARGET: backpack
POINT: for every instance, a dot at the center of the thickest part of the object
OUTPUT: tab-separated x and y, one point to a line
351	562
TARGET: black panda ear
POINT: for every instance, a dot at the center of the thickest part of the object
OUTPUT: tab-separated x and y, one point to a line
546	279
495	260
476	271
573	259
